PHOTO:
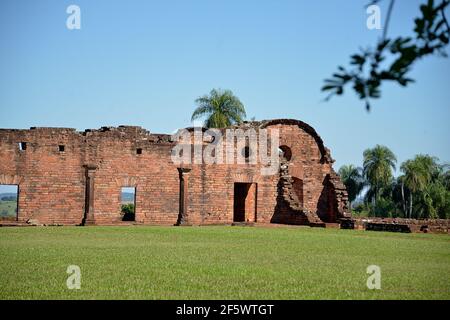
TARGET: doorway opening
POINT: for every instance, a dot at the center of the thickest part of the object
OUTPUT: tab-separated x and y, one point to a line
244	202
327	207
128	203
9	201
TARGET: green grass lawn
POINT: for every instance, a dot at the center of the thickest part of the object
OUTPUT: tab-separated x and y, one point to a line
221	263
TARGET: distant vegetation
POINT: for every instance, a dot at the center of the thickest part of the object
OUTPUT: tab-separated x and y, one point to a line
9	198
422	191
8	205
128	211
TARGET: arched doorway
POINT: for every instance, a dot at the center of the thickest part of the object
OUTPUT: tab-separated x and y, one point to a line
285	152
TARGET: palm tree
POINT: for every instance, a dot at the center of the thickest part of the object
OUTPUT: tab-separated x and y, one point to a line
446	178
417	175
353	180
401	182
413	179
379	163
221	107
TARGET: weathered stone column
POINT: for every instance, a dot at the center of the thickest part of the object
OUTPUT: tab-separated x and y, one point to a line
183	219
89	218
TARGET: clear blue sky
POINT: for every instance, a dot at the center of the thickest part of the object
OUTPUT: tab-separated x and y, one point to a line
145	62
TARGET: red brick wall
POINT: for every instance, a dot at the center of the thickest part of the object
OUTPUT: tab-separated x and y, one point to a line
151	173
52	183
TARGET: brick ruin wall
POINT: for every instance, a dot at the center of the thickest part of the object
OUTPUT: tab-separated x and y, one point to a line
402	225
69	177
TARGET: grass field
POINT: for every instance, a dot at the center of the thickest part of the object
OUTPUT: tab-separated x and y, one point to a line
8	208
221	263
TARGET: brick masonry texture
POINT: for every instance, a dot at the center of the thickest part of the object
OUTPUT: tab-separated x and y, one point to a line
402	225
71	178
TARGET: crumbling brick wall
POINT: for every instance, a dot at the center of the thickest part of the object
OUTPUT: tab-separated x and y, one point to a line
402	225
51	182
83	182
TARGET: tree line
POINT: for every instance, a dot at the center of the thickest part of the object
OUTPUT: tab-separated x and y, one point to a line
422	191
8	198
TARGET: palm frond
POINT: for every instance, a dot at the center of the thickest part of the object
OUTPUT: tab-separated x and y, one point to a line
221	107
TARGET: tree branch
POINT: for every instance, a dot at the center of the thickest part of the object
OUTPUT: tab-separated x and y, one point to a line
445	18
388	18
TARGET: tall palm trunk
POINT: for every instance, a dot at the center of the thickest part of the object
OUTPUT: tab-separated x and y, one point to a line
403	200
410	204
375	196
